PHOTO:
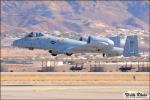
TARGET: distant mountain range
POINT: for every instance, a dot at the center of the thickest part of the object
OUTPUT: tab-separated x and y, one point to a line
73	15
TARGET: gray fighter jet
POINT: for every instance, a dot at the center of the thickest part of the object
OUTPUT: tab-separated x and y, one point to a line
56	45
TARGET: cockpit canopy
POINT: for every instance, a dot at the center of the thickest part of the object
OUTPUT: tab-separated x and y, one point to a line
35	34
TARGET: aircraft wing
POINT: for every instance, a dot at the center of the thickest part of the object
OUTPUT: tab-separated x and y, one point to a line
88	48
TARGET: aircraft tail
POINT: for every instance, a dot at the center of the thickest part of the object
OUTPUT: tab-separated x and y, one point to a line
131	46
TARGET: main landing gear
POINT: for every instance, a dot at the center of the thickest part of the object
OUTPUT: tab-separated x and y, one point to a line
53	54
68	54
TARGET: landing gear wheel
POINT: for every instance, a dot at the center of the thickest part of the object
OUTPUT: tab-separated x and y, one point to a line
68	54
53	54
50	51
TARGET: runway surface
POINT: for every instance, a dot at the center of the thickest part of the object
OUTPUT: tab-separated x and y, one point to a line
68	92
69	86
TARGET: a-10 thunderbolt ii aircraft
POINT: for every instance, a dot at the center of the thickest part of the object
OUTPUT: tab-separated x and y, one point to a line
56	45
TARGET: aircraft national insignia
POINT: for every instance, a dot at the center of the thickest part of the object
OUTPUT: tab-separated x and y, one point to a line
62	39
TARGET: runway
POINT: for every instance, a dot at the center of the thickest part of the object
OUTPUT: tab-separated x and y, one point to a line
69	86
68	92
71	78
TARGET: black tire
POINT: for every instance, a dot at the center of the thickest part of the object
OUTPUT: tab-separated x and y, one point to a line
50	51
53	54
68	54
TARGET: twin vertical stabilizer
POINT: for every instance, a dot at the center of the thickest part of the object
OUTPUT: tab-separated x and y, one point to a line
131	46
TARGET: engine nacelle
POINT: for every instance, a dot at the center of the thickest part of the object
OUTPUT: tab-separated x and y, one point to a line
103	42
